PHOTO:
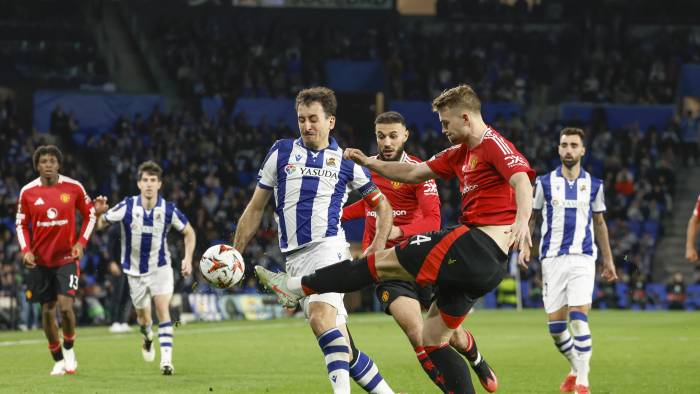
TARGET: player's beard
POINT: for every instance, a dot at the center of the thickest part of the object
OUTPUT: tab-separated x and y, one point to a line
397	155
570	163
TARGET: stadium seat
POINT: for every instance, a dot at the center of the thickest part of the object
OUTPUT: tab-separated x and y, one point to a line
692	301
621	289
657	292
652	227
490	300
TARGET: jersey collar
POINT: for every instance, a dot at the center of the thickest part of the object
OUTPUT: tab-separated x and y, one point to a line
333	144
582	173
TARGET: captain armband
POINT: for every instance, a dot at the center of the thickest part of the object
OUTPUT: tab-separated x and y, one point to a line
373	197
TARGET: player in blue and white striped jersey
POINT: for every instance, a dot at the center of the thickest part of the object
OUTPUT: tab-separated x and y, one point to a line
145	222
309	180
572	204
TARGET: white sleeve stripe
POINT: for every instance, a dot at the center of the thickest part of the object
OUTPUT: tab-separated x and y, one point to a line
91	224
20	236
501	144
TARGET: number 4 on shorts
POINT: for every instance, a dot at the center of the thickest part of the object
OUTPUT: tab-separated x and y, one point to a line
418	239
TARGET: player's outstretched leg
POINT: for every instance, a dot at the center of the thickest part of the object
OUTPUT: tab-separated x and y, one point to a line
463	341
59	365
277	282
565	343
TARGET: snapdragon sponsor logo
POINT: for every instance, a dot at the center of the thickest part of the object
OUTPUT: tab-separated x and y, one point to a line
52	223
393	213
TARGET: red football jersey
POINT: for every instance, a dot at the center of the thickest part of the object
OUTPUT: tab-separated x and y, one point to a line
696	211
416	208
50	210
484	172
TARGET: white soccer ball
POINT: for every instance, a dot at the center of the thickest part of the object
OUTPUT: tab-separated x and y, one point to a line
222	266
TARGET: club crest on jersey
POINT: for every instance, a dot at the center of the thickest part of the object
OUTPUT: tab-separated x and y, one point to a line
583	187
290	169
396	185
472	162
330	162
65	198
158	216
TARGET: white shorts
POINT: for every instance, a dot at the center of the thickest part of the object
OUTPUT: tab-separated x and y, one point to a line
567	280
143	287
317	256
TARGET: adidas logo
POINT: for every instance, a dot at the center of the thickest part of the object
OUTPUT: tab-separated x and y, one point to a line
39	201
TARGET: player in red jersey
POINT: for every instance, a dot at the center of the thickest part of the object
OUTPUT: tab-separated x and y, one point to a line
46	235
691	253
416	210
465	262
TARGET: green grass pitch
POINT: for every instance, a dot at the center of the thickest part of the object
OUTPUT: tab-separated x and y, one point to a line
633	352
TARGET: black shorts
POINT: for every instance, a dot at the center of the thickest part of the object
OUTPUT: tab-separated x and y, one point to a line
463	263
44	284
390	290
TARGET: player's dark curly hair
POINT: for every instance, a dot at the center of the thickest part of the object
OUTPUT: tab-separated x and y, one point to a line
44	150
390	117
151	168
320	94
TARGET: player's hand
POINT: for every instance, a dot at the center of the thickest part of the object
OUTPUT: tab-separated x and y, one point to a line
520	237
356	155
114	268
372	248
29	260
395	232
186	269
77	251
524	258
691	254
609	272
101	205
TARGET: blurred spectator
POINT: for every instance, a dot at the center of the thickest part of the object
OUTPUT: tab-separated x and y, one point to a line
675	292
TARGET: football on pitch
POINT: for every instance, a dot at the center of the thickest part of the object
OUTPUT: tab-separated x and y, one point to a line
222	266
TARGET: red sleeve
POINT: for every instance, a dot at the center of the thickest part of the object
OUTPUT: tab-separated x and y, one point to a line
355	210
429	203
21	221
442	163
87	211
506	158
696	212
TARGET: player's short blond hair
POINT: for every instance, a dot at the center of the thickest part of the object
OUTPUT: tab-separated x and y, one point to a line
462	96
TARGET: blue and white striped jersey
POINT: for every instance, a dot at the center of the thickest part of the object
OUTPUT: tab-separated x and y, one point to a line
144	233
567	211
310	188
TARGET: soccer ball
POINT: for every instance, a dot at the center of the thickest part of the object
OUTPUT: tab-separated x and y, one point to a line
222	266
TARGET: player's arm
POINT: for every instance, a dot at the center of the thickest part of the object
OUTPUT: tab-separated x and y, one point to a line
87	211
520	230
23	236
190	242
393	170
600	230
691	252
250	220
429	204
374	198
353	211
537	206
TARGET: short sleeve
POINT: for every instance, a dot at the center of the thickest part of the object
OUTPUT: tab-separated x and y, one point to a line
538	203
442	164
696	211
361	178
117	212
267	176
598	203
179	220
